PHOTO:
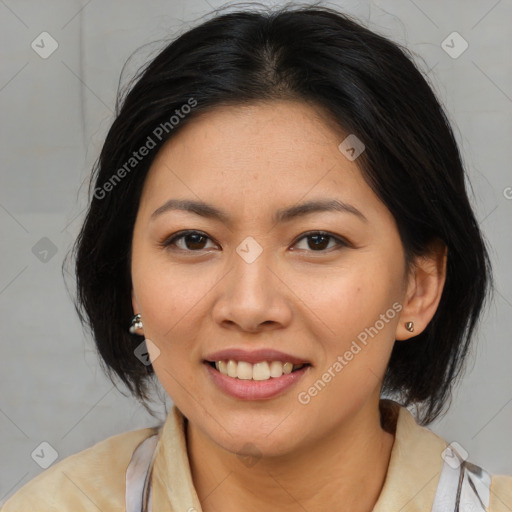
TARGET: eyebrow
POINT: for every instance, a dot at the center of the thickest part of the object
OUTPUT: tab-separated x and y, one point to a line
281	216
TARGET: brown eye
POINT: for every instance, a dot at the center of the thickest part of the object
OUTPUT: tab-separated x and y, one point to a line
195	241
191	241
318	241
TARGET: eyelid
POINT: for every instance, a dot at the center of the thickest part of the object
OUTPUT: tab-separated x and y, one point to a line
169	240
340	241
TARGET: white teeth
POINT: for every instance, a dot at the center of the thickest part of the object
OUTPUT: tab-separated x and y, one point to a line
232	368
276	369
259	371
287	367
244	370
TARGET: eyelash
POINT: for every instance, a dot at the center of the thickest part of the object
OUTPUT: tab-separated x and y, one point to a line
169	241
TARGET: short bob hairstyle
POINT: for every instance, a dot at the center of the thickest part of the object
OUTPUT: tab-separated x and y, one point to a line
368	86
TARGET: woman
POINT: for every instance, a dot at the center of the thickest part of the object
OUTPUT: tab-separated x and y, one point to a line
280	232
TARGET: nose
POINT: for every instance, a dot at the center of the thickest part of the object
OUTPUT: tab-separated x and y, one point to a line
252	296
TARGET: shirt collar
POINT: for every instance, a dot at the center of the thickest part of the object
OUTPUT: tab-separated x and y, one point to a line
414	466
410	484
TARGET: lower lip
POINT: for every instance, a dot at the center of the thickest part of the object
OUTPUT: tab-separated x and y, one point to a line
255	389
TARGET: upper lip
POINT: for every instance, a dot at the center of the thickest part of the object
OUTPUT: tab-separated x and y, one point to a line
254	356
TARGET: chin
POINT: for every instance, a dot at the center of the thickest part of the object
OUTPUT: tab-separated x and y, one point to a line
249	449
256	436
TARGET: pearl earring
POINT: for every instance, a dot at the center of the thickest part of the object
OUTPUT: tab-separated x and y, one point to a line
136	324
409	326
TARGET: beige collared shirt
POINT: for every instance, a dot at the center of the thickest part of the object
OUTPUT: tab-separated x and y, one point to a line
95	479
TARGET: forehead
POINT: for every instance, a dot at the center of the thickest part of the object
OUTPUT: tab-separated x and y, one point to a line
269	132
277	152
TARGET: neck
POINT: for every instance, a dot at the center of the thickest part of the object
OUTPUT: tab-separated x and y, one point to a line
346	467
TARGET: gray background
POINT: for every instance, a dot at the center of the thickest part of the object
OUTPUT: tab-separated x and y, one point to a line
54	115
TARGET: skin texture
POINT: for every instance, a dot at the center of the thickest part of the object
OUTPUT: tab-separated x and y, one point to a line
307	301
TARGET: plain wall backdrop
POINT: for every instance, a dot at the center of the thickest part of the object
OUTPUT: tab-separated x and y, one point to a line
55	111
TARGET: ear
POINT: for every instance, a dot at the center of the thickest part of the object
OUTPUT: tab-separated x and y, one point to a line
424	288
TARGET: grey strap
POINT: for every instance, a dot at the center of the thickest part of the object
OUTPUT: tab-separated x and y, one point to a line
139	493
462	486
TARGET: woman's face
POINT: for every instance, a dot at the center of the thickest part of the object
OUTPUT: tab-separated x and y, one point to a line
256	278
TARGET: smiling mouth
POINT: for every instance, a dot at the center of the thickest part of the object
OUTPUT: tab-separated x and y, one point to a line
260	371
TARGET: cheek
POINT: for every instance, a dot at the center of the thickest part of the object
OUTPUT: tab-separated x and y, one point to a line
169	299
164	298
359	312
342	302
356	315
167	294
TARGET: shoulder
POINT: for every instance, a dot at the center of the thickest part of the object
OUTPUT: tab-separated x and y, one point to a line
93	479
501	494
